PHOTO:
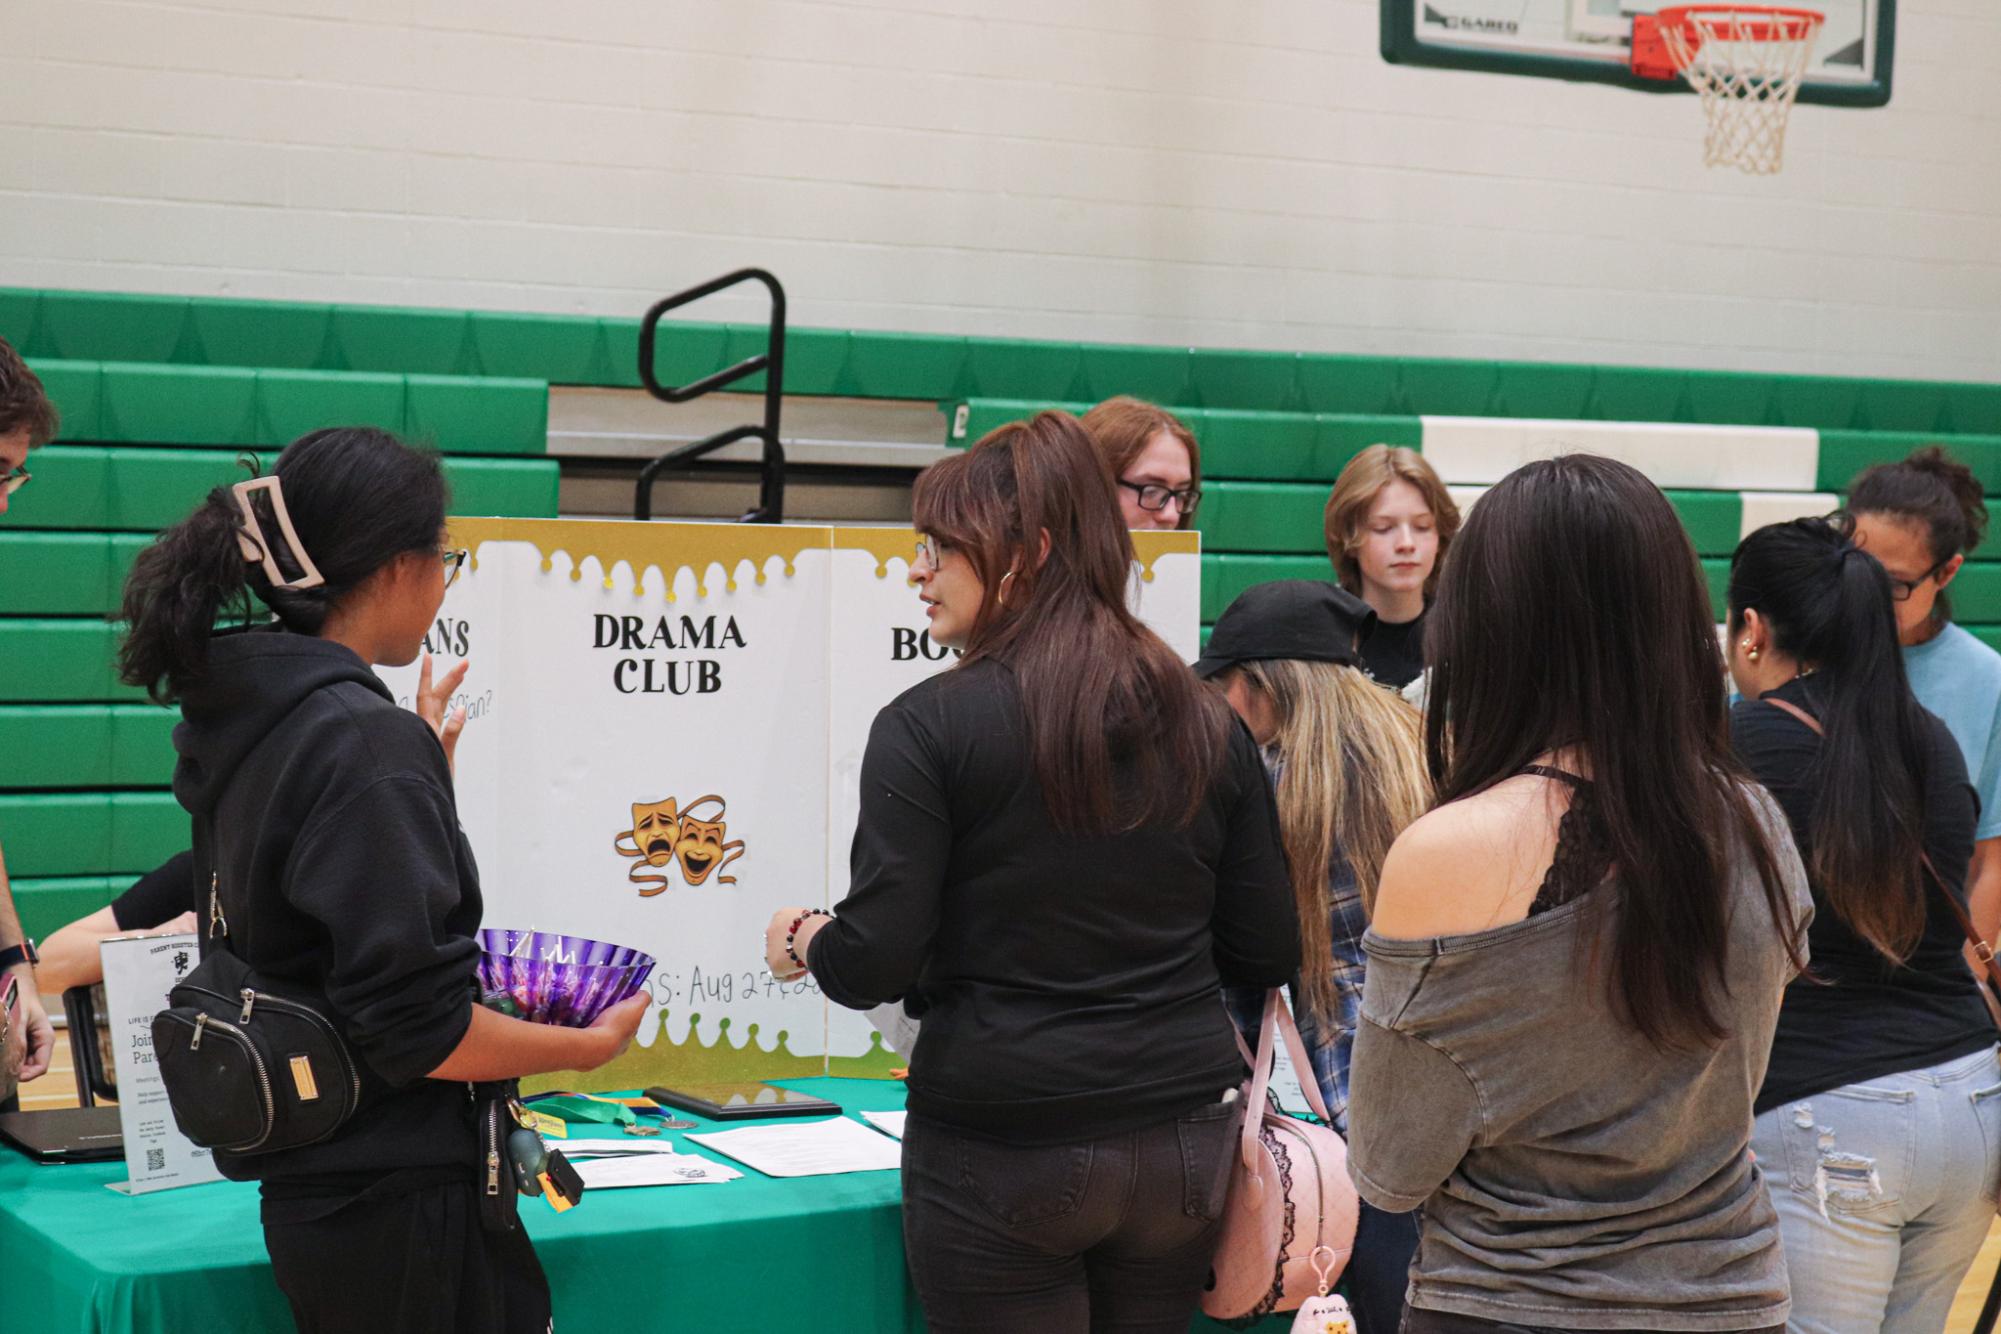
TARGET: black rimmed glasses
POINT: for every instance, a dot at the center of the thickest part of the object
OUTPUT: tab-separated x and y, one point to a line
1901	589
455	560
1153	497
15	480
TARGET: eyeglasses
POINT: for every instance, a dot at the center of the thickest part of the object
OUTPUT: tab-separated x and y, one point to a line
1901	589
1153	497
454	562
14	481
930	551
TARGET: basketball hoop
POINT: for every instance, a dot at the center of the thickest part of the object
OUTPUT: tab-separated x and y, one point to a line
1745	60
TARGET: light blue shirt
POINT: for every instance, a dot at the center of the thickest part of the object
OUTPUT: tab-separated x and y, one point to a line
1959	678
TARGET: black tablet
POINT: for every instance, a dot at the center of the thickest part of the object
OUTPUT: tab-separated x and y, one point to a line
65	1134
742	1101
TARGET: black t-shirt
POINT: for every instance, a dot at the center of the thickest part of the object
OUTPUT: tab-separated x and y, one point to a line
1394	651
159	896
1068	985
1855	1016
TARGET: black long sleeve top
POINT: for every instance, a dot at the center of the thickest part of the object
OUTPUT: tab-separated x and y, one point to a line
1067	984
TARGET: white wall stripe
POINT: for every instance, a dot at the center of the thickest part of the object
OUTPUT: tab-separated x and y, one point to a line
1768	507
1473	450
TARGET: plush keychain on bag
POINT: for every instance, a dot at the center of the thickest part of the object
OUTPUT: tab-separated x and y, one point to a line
1324	1312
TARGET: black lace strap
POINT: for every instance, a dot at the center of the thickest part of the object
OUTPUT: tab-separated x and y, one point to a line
1560	775
1579	862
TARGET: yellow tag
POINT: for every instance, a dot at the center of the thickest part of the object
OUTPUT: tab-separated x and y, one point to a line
302	1079
541	1124
552	1195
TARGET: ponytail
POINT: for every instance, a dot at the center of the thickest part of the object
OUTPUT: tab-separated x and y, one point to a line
179	588
357	498
1828	605
1933	490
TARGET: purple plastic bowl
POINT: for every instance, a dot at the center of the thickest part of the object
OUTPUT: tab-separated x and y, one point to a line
558	979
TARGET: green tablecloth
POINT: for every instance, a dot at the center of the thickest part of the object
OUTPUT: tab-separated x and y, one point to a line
758	1253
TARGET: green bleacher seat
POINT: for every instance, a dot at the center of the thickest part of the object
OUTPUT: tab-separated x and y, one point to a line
52	660
134	489
48	902
89	833
236	406
86	745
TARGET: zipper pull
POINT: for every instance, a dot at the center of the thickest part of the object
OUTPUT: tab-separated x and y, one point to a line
249	1001
217	923
201	1022
493	1152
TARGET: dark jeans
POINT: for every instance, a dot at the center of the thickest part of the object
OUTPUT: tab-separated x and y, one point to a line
410	1263
1378	1274
1442	1322
1111	1234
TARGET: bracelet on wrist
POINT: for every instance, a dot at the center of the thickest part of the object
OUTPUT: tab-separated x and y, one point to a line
792	932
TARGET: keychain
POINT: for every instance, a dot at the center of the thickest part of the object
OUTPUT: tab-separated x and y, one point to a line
539	1169
1324	1312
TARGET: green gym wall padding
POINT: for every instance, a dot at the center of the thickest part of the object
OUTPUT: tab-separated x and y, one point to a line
50	660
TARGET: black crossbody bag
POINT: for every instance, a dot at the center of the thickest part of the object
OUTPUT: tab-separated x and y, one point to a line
251	1067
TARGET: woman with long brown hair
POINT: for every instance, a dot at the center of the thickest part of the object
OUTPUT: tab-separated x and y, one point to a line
1577	958
1348	758
1067	845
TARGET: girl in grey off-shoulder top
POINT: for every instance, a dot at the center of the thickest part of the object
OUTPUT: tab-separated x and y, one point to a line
1571	1174
1576	960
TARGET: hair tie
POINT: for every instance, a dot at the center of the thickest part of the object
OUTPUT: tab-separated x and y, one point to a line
250	538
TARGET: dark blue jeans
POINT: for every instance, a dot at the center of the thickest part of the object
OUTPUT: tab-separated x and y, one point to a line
1109	1234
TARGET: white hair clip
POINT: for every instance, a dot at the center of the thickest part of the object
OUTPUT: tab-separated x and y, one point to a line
250	538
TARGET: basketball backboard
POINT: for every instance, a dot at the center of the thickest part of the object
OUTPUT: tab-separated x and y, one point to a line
1592	40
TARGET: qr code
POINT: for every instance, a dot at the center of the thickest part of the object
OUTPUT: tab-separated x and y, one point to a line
156	1160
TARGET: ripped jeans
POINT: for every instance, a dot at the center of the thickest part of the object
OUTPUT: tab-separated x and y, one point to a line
1885	1191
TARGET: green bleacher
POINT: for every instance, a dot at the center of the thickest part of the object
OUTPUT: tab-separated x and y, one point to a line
161	394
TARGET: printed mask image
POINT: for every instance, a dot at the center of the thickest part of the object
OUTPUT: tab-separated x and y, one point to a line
655	833
665	834
701	850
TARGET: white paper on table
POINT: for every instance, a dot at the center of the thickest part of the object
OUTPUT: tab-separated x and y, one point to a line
606	1147
889	1123
139	971
651	1169
814	1148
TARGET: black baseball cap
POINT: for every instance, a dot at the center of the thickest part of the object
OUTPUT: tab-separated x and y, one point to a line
1288	618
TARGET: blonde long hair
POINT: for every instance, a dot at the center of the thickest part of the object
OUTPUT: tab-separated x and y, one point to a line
1356	489
1353	777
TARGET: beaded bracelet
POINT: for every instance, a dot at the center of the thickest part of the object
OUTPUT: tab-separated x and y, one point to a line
792	932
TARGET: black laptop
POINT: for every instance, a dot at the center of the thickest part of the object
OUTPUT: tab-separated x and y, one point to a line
65	1134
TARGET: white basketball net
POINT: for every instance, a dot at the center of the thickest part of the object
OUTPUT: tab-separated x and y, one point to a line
1747	64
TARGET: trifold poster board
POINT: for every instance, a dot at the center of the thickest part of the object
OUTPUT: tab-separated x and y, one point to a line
139	971
664	739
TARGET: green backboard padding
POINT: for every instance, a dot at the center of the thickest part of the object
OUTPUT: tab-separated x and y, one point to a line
63	574
86	745
148	403
96	487
90	833
60	660
47	903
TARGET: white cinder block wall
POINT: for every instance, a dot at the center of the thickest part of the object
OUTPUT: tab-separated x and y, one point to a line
1222	172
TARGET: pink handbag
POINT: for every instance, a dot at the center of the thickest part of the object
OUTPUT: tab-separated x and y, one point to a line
1289	1221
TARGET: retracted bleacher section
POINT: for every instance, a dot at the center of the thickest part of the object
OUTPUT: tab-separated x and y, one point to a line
161	394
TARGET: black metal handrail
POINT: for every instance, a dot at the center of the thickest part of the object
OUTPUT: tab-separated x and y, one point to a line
771	468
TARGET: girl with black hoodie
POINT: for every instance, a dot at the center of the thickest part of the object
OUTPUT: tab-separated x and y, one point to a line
326	837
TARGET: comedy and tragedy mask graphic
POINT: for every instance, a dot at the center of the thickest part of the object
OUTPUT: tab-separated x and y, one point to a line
665	834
